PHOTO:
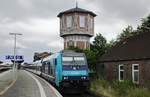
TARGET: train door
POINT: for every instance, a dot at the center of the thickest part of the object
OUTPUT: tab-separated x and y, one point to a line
58	70
46	68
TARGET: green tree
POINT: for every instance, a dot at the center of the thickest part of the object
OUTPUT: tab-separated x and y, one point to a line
145	26
99	45
126	33
112	43
98	48
75	49
91	59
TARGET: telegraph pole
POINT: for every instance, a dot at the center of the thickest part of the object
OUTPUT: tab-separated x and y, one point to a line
15	36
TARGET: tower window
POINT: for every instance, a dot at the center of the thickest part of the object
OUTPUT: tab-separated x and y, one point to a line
70	43
91	24
69	21
82	21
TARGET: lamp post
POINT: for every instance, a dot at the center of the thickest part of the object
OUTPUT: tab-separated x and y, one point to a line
15	36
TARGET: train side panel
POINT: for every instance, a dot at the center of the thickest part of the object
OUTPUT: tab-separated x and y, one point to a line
58	70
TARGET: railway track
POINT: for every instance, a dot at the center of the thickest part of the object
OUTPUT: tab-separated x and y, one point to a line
86	94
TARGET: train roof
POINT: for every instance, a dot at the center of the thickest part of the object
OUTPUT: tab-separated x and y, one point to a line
52	56
64	53
71	53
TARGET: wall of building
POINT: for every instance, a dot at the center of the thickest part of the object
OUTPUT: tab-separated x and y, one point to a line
75	32
75	28
82	42
110	71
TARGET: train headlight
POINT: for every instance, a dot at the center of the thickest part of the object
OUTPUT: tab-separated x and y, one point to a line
65	78
83	77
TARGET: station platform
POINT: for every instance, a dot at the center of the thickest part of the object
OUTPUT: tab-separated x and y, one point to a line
28	85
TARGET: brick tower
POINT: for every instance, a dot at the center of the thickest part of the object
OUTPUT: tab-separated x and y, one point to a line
76	27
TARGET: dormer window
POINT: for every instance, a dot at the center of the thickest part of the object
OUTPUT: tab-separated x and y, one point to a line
82	21
69	21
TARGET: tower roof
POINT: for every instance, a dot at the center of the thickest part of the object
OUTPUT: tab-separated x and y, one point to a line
77	10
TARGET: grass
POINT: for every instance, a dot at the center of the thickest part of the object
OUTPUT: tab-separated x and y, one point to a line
118	89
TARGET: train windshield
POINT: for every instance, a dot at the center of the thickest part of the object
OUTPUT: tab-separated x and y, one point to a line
73	60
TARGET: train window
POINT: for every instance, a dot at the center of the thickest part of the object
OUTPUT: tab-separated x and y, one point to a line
67	59
48	63
51	70
79	60
43	67
46	69
55	61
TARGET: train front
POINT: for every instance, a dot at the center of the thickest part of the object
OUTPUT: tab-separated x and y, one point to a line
74	70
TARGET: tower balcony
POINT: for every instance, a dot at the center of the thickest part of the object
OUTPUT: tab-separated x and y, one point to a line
64	33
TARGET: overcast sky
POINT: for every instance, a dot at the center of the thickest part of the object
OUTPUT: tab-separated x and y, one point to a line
37	21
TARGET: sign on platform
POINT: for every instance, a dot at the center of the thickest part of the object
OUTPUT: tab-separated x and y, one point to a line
11	57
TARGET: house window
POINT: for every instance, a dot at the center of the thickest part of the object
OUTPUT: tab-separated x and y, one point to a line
135	73
121	72
82	21
69	21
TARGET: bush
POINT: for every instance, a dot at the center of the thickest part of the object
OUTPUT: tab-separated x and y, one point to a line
138	92
118	89
102	87
122	87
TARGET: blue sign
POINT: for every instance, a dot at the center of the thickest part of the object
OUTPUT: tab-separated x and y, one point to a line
11	57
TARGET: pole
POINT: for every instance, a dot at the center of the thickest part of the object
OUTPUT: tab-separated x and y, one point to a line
14	51
15	38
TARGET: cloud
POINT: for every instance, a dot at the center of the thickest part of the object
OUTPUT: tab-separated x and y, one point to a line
113	16
24	9
38	33
37	21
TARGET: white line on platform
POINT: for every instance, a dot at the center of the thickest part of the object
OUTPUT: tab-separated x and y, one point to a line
54	90
42	92
5	90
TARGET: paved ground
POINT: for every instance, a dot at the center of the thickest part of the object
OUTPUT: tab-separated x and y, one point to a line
6	78
29	85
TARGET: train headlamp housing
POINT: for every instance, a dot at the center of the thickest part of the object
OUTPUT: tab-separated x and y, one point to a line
65	78
83	77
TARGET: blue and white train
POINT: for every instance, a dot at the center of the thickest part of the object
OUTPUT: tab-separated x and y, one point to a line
66	69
